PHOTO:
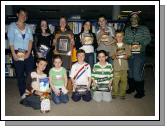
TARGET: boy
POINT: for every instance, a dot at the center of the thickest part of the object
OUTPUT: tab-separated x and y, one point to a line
81	78
105	36
120	54
102	78
37	86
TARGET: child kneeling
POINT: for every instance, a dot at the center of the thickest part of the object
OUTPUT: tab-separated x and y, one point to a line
102	78
37	88
81	78
58	81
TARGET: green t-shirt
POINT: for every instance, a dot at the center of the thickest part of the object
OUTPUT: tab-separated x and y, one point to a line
57	77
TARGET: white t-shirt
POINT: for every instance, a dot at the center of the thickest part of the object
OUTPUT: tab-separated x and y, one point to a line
82	77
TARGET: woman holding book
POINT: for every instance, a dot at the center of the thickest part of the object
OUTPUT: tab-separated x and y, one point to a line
20	39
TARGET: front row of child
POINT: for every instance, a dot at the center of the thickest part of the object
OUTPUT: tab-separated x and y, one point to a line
86	85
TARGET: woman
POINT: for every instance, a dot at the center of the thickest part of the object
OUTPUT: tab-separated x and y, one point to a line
86	40
43	42
63	43
20	38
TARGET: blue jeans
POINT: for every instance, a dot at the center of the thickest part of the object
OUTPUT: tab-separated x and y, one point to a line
77	97
63	98
21	68
136	63
89	58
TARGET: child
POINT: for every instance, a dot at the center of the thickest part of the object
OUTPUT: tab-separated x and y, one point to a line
102	78
81	78
35	91
58	81
105	36
120	54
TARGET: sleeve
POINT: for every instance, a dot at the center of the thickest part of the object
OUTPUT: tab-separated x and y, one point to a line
10	34
78	43
146	37
95	44
112	52
93	72
128	37
72	71
89	71
98	36
30	34
112	31
128	51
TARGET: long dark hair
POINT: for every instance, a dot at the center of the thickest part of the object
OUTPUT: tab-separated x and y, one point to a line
38	29
82	29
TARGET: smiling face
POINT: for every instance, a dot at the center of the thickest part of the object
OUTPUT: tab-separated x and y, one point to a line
102	22
80	57
22	16
134	20
63	22
102	58
119	37
57	62
41	65
87	26
44	25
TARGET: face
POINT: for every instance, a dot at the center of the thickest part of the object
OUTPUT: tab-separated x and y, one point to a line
87	26
134	20
22	16
102	22
63	22
119	37
80	57
101	57
57	63
41	65
43	25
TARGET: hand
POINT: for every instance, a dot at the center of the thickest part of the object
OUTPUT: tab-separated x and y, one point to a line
126	57
38	93
15	57
26	55
57	92
69	53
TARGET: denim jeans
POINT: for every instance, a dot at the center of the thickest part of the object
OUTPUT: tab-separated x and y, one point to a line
77	96
21	68
62	98
89	58
136	63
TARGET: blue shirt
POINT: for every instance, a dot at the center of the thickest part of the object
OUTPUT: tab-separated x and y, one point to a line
16	38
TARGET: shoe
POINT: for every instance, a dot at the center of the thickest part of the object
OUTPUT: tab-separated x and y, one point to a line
138	96
123	97
129	91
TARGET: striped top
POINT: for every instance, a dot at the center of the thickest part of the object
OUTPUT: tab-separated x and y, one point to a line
141	35
102	74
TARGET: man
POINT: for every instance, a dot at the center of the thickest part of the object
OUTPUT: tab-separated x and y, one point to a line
138	37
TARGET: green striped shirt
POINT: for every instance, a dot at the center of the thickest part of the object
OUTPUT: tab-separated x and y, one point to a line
102	74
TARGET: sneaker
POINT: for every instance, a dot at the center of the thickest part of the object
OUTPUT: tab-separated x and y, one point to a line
138	96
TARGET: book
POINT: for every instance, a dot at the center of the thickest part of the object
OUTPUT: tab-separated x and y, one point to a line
44	84
43	49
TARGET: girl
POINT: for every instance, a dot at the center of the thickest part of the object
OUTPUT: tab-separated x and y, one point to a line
86	40
63	43
43	42
58	81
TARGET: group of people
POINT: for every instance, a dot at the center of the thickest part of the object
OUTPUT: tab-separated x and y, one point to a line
120	56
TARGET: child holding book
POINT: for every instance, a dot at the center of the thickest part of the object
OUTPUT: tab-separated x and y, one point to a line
120	53
102	78
58	81
81	78
37	86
